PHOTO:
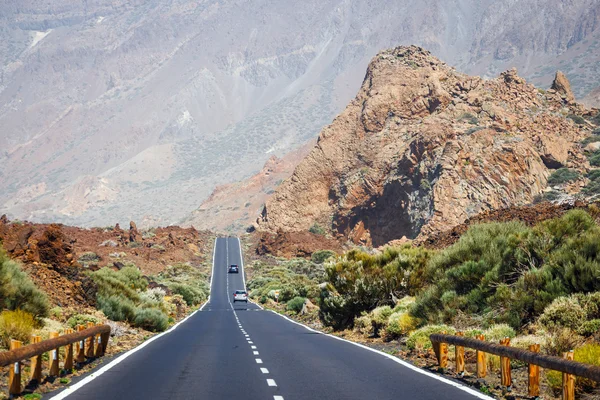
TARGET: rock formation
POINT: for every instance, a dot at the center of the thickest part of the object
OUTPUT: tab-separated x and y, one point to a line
423	147
563	87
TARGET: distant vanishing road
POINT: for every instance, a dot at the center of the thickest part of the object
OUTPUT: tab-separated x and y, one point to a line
239	351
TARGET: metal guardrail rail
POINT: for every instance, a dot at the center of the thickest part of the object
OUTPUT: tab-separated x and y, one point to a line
566	365
90	342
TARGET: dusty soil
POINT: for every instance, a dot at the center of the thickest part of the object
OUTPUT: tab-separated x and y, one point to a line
293	244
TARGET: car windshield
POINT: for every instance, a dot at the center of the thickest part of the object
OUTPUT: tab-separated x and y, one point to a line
240	292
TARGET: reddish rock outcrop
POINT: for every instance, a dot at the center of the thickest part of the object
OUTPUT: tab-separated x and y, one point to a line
563	87
423	147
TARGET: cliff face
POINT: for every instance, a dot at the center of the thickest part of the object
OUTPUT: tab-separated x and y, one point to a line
422	148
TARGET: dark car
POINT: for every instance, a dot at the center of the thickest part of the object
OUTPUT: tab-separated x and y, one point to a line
233	269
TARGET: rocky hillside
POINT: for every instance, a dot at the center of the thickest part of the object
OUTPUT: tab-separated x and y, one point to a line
114	110
423	147
57	257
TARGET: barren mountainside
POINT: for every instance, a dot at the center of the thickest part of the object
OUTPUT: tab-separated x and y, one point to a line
423	147
113	110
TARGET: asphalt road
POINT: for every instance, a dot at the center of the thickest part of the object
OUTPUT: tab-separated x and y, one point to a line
239	351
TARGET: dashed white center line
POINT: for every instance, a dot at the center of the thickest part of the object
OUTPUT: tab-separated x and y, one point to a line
253	347
255	353
277	397
264	370
258	361
271	382
250	342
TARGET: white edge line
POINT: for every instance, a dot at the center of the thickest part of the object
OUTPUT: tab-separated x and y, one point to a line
244	274
69	390
397	360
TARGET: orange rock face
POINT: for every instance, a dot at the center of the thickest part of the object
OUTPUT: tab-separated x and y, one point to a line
423	147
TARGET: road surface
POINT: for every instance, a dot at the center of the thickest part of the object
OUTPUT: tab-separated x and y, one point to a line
239	351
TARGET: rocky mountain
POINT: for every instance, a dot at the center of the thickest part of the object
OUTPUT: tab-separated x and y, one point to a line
423	147
113	110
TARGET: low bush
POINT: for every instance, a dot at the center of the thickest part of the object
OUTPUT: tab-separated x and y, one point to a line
17	291
317	229
499	331
419	339
126	282
589	328
117	308
150	319
594	159
81	319
359	282
563	312
400	324
563	175
592	139
319	257
559	340
588	354
579	120
193	295
296	304
17	325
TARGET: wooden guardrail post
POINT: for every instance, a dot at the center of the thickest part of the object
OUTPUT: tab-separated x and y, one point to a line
534	374
14	375
36	362
505	367
89	351
459	357
80	347
98	351
53	358
68	365
481	361
568	392
443	354
104	337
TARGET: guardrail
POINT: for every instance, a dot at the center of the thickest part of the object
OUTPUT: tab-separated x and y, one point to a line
84	343
566	365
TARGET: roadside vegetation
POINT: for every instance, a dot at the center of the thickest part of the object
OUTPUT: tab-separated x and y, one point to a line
535	284
124	295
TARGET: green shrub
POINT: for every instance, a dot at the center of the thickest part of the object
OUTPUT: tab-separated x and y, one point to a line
400	324
563	175
589	328
125	282
419	339
317	229
150	319
17	325
359	281
468	117
563	312
81	319
117	308
509	273
88	257
588	354
363	324
17	291
296	304
592	139
594	159
193	295
499	331
320	256
579	120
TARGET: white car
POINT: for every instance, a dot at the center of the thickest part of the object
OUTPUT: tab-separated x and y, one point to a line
240	295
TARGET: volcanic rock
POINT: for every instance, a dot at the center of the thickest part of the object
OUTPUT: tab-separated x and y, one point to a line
423	147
